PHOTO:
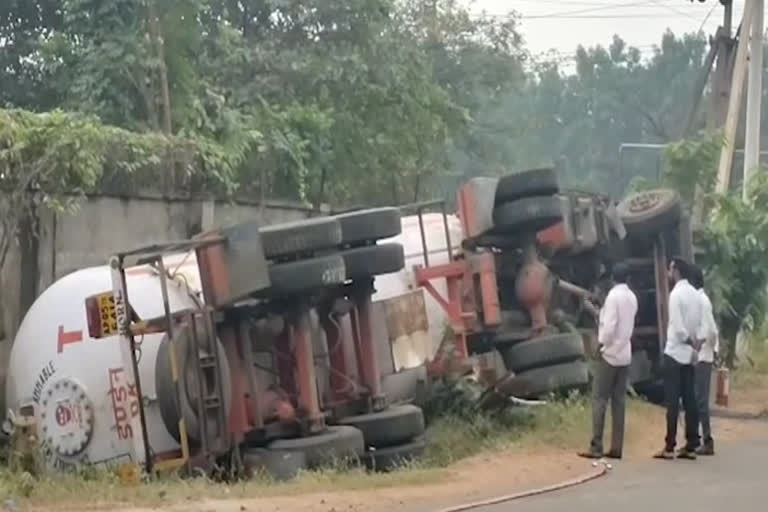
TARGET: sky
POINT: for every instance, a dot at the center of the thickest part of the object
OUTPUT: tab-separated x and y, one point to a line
564	24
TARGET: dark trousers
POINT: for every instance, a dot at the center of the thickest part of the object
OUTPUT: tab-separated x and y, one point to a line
610	383
703	384
679	384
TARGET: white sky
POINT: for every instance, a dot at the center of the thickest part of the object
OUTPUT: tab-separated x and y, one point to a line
564	24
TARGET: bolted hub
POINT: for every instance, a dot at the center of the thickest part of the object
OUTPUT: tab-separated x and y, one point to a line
644	201
66	418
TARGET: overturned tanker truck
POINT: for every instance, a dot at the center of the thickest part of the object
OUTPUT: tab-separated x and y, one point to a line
247	348
293	346
509	274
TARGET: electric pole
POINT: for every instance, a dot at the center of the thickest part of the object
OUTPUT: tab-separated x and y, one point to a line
723	47
734	103
722	75
754	97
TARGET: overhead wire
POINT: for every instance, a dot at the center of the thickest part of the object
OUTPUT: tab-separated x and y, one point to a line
706	18
586	13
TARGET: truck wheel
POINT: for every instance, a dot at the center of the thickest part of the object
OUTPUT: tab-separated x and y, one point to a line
395	457
550	379
369	225
337	444
649	211
530	214
298	237
373	260
304	275
170	409
544	351
392	426
280	465
535	182
641	369
408	385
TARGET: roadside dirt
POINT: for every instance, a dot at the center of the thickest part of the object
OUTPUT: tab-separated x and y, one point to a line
516	468
750	396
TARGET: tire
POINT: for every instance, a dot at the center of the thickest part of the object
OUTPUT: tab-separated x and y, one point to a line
340	443
369	225
395	457
280	465
373	260
544	351
649	211
509	336
306	275
652	390
535	182
641	369
170	409
409	385
390	427
299	237
551	379
531	214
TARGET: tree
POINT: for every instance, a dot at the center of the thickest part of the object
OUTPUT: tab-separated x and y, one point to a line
734	240
29	30
578	119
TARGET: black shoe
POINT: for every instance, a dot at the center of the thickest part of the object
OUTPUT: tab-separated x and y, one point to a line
664	454
590	454
613	454
707	450
686	453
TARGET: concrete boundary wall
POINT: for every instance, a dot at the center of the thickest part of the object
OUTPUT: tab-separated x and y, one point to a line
106	224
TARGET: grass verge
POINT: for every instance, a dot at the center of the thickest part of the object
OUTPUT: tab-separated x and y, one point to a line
561	424
451	439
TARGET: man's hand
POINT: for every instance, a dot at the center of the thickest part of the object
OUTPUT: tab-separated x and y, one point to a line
591	308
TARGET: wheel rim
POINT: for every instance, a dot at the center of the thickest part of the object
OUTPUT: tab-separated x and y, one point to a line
645	201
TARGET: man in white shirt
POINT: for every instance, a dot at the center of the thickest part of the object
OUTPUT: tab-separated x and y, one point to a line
710	346
617	321
679	361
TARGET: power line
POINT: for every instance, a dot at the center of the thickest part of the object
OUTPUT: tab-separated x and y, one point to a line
673	9
634	16
706	18
603	7
595	7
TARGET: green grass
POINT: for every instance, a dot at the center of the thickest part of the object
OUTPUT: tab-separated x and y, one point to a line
754	368
451	439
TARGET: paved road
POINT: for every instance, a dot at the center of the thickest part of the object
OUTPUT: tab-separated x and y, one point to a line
735	480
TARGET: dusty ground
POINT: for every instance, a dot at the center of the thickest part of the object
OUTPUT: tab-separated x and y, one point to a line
542	457
749	394
523	465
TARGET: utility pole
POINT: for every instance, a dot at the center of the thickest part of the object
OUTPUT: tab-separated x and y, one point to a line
734	103
722	75
754	97
722	44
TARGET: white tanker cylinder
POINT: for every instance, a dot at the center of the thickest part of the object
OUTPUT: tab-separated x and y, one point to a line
75	383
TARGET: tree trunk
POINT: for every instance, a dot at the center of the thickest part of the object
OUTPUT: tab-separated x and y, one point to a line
140	79
157	37
158	41
321	193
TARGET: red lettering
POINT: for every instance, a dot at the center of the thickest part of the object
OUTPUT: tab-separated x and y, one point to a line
67	337
124	432
63	415
125	404
120	414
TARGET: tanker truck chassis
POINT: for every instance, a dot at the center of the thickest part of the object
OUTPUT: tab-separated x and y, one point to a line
269	363
534	262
